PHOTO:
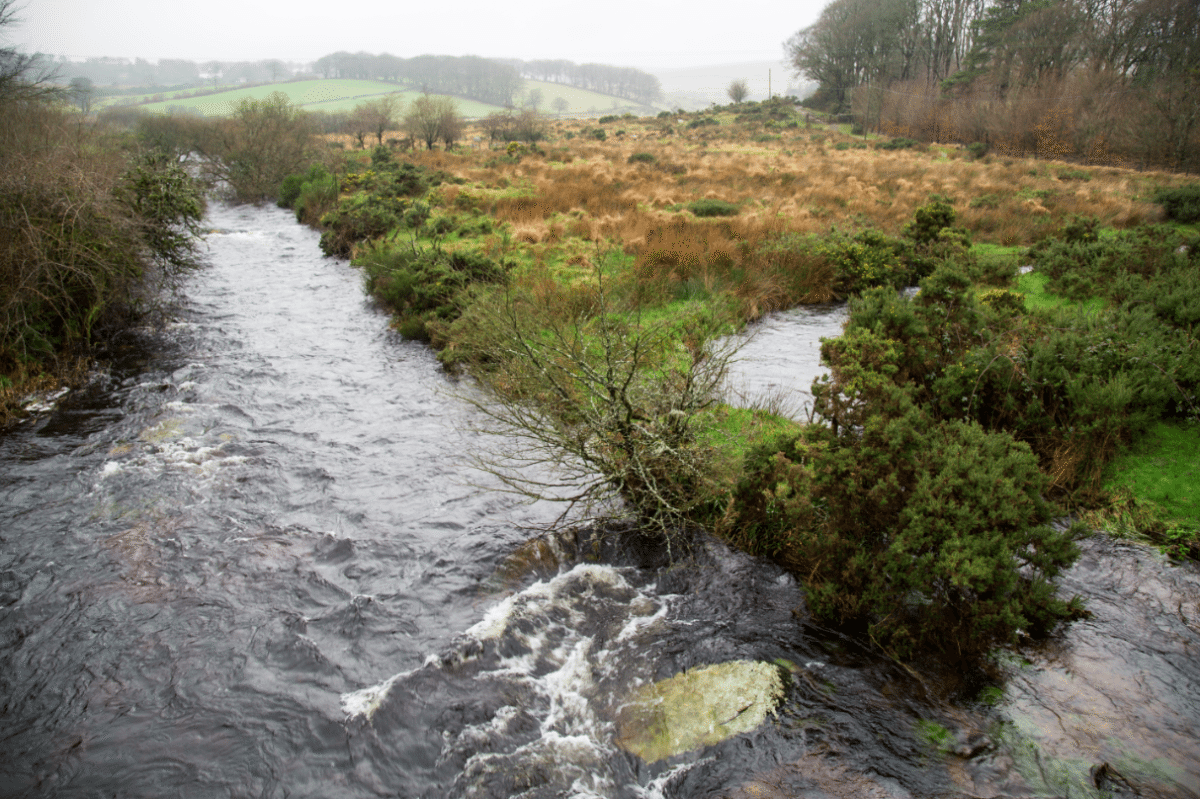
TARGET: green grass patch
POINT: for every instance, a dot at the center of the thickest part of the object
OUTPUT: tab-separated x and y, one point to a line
579	102
996	253
710	207
1157	482
1033	286
934	735
733	432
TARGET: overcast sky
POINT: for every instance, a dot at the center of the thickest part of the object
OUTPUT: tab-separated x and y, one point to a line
642	33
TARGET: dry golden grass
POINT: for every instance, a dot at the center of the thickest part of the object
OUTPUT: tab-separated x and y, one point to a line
793	184
797	181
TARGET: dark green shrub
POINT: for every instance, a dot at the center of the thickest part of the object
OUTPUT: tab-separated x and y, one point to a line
1081	230
598	134
702	122
422	286
440	226
977	149
900	143
929	220
1182	203
604	120
925	534
356	219
1082	267
292	185
317	197
416	214
866	259
381	158
711	207
642	158
996	272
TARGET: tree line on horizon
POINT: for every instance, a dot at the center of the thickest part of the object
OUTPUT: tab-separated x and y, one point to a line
1108	81
628	82
492	81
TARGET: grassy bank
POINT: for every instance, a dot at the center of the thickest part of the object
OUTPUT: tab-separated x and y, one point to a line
584	276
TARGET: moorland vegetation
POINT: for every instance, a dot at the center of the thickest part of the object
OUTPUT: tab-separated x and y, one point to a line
584	278
93	228
1111	82
585	272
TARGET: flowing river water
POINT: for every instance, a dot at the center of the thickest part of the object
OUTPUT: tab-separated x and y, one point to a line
250	561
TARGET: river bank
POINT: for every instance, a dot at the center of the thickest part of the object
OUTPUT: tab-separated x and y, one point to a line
255	517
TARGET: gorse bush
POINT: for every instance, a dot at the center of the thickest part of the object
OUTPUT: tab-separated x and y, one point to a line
357	219
1074	385
917	513
926	534
86	232
310	195
380	204
1182	203
422	285
899	143
929	221
711	207
1080	264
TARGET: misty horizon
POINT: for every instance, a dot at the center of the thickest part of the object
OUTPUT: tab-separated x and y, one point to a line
650	36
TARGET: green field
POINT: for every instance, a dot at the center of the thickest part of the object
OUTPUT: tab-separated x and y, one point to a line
344	95
581	102
313	95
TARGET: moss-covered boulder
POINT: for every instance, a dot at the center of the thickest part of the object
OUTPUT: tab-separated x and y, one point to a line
698	708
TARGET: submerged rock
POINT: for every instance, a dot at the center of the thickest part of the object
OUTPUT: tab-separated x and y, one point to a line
698	708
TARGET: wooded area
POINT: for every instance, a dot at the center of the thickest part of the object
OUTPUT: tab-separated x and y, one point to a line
1106	81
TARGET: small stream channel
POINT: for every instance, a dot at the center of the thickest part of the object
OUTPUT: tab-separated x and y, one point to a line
249	560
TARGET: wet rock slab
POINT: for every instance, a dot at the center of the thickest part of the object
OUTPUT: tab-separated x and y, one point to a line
698	708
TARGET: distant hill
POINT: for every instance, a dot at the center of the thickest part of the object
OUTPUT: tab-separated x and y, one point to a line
693	88
345	94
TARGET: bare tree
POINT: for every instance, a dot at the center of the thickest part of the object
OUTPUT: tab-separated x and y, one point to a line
81	92
529	126
263	142
738	90
359	124
22	76
497	125
432	118
378	116
596	407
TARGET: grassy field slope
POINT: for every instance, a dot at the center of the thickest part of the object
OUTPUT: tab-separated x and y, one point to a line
581	102
326	95
344	95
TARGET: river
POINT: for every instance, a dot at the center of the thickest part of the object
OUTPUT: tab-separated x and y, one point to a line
250	559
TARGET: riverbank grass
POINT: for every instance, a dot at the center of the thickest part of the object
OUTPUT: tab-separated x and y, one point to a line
949	419
1156	490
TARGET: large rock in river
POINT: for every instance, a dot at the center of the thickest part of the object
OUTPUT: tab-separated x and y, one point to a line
698	708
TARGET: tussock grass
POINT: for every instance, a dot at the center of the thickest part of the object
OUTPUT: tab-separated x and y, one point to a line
573	193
